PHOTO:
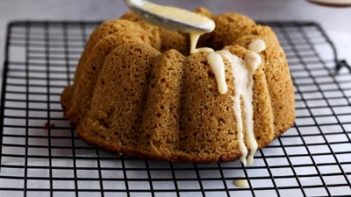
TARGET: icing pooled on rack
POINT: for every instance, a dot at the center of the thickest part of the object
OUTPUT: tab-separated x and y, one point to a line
241	183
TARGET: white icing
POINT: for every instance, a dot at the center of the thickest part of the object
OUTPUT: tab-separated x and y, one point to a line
243	72
257	45
217	65
194	38
252	60
176	14
243	83
250	135
240	75
241	183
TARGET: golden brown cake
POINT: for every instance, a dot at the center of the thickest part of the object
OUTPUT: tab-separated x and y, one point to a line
138	91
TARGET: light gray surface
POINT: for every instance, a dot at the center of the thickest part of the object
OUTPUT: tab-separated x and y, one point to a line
335	21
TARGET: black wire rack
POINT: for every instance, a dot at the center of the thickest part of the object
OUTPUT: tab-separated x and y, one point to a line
42	156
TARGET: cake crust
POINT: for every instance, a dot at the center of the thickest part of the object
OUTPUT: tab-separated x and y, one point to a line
137	91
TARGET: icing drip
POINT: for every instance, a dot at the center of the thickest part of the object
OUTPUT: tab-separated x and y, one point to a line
257	46
243	72
252	60
194	38
243	83
250	135
217	65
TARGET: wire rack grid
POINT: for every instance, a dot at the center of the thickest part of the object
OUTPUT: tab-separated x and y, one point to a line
42	156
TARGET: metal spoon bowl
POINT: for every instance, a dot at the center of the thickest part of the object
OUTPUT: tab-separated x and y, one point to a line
154	18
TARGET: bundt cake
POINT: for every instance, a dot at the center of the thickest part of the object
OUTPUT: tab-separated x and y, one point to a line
137	90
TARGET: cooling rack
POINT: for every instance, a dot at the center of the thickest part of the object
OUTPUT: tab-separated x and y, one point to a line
42	156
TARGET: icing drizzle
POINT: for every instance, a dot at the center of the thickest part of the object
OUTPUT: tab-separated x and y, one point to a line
243	71
217	65
194	38
257	45
243	83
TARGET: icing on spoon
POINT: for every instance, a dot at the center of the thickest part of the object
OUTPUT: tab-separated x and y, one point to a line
171	17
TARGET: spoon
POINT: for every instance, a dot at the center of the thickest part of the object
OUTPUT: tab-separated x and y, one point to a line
171	17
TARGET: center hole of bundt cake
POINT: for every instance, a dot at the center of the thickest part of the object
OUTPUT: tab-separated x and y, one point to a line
206	41
181	42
